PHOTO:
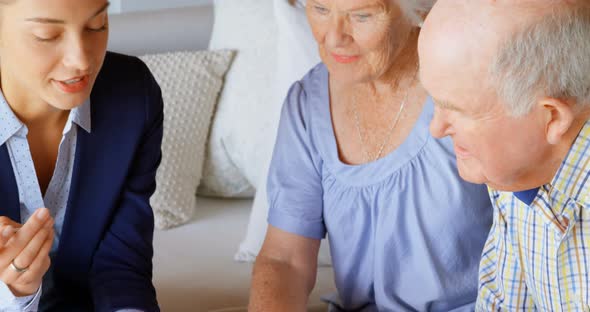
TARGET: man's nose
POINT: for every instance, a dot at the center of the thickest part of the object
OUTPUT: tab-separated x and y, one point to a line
440	126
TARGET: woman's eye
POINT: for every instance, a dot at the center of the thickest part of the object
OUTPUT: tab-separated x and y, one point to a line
321	10
100	29
45	39
362	17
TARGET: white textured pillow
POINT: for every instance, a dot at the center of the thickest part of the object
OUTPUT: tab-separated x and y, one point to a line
190	83
248	27
296	55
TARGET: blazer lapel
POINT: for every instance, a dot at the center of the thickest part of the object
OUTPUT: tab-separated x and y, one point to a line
85	218
76	244
90	202
9	201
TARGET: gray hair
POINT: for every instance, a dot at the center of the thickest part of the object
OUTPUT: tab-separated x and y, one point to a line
550	57
415	10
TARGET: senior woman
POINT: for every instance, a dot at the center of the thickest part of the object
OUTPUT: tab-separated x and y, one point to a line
80	137
354	160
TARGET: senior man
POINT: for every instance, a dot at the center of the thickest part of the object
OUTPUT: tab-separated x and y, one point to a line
511	80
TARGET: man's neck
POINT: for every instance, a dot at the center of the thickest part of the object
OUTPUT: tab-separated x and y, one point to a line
544	173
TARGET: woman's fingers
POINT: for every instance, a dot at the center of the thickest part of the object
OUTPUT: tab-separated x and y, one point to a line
7	230
38	221
8	221
24	252
6	233
26	257
32	260
29	281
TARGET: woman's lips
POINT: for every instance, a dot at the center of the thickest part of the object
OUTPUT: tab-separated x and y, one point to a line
343	59
72	85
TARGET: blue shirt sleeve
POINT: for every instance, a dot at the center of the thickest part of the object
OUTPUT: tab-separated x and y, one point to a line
9	302
295	191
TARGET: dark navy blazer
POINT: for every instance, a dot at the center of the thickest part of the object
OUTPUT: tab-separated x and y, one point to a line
104	259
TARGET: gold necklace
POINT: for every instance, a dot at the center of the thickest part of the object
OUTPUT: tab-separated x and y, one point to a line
367	158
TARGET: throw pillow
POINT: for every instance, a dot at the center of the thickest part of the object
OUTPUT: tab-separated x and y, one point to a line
190	83
296	54
246	26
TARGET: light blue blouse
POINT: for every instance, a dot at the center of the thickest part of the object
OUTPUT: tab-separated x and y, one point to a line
406	233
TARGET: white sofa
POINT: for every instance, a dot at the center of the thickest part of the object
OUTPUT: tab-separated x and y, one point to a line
193	264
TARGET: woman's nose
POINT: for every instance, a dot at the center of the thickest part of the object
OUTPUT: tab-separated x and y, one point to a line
338	34
77	55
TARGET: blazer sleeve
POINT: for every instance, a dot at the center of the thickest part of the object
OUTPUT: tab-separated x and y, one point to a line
121	273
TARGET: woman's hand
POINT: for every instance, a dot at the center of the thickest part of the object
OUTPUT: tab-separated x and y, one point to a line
24	252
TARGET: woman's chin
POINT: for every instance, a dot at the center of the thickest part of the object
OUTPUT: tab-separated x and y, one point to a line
345	76
66	103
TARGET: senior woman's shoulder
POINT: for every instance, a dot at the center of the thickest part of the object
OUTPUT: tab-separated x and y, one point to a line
313	85
306	99
315	78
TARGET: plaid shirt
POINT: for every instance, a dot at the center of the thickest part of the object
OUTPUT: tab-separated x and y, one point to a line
537	257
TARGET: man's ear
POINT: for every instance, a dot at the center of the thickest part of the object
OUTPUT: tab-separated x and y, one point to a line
559	117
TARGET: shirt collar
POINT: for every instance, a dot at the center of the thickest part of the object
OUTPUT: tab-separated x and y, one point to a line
528	196
10	125
81	116
573	177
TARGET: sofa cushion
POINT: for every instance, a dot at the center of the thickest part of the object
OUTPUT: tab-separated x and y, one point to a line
193	267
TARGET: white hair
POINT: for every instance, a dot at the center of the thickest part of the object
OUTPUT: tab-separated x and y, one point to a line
549	58
415	10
